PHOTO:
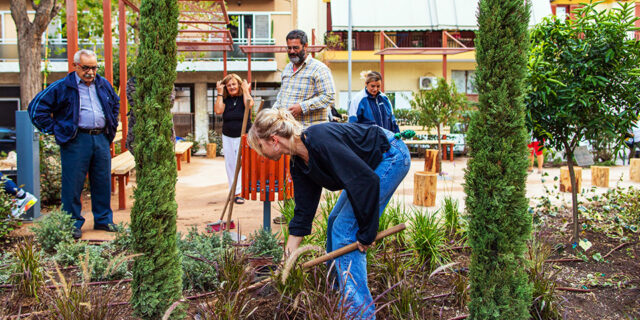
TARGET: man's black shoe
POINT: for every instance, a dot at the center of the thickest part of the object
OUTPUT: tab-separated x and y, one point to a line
77	233
107	227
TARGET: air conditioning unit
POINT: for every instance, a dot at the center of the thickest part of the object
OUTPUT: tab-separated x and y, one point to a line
428	83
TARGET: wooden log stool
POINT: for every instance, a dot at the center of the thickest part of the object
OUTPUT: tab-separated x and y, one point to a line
425	185
634	170
565	179
600	176
211	150
431	161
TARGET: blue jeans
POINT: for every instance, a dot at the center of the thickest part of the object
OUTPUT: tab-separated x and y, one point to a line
10	187
87	153
342	227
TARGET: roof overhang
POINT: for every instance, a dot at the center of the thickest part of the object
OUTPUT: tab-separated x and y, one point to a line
417	15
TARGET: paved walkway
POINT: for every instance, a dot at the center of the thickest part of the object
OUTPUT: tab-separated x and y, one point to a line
202	188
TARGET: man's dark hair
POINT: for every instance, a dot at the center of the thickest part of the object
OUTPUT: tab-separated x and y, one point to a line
298	34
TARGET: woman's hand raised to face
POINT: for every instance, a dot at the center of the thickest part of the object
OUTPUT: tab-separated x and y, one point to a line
245	86
220	87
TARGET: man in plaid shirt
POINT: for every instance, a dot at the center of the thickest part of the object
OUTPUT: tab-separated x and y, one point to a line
307	85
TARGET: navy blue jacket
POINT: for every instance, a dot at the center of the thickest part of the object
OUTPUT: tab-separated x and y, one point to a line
55	109
367	109
341	156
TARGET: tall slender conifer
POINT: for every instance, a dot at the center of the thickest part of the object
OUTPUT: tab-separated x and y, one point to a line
157	276
497	168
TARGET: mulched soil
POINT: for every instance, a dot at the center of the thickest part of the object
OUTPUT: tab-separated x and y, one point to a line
614	283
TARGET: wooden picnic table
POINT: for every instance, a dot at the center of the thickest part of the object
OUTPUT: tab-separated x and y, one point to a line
444	143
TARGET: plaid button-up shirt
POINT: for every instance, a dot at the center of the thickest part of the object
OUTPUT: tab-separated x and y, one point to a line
312	87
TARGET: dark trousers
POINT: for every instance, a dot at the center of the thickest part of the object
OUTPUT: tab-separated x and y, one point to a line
8	184
87	153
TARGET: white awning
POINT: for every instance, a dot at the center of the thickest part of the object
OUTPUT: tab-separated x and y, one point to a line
416	15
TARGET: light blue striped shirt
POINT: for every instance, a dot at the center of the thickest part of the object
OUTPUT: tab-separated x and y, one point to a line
91	115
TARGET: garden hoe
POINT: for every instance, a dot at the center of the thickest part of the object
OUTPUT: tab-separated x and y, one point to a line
333	254
222	225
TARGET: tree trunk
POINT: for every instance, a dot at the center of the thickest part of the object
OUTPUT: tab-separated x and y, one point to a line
574	192
30	43
30	53
439	166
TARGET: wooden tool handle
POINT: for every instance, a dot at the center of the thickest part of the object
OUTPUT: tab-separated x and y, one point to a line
351	247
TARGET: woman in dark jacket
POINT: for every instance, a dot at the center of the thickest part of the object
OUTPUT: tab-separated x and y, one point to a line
367	162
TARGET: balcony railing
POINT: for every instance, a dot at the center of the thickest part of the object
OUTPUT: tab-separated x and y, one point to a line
58	50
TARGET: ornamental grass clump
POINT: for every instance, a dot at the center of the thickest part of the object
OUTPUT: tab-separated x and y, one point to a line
428	238
27	270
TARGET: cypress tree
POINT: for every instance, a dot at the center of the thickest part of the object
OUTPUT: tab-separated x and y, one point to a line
157	276
497	169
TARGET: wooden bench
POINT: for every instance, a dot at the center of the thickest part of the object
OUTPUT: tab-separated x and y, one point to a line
121	166
445	144
181	148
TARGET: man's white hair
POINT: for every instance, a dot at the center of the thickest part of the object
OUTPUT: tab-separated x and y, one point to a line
86	52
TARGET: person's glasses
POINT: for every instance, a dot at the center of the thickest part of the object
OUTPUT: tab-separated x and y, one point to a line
87	68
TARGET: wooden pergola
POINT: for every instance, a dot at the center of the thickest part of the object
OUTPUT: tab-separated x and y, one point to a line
201	28
444	51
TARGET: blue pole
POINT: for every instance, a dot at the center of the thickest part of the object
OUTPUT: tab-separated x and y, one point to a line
266	214
28	152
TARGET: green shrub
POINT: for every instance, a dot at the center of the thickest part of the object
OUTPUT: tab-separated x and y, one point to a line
394	214
53	228
7	261
7	222
200	253
124	240
545	304
318	234
216	138
69	252
428	238
286	208
50	170
266	244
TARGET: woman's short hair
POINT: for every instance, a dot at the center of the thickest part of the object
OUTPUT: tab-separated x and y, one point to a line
225	80
270	122
373	76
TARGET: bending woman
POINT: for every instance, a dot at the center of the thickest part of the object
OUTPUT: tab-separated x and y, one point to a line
367	162
371	106
233	97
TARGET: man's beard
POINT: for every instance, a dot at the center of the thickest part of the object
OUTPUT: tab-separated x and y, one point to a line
297	58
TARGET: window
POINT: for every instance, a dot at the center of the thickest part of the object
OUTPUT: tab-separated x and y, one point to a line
259	23
182	104
562	12
465	81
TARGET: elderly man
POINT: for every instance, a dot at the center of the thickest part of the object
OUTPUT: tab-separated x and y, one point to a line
81	110
307	85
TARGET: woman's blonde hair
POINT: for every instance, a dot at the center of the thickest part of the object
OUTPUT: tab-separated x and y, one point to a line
225	80
270	122
373	76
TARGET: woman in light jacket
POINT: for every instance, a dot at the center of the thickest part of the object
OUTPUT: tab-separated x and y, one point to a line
371	106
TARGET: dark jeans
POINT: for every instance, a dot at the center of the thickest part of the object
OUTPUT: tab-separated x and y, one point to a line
10	187
87	153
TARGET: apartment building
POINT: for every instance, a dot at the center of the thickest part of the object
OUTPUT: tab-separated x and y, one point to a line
435	26
268	20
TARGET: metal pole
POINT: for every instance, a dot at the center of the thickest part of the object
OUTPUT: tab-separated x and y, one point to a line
266	214
349	48
382	61
28	150
249	55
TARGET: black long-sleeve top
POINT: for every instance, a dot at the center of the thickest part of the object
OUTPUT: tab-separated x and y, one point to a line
341	156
